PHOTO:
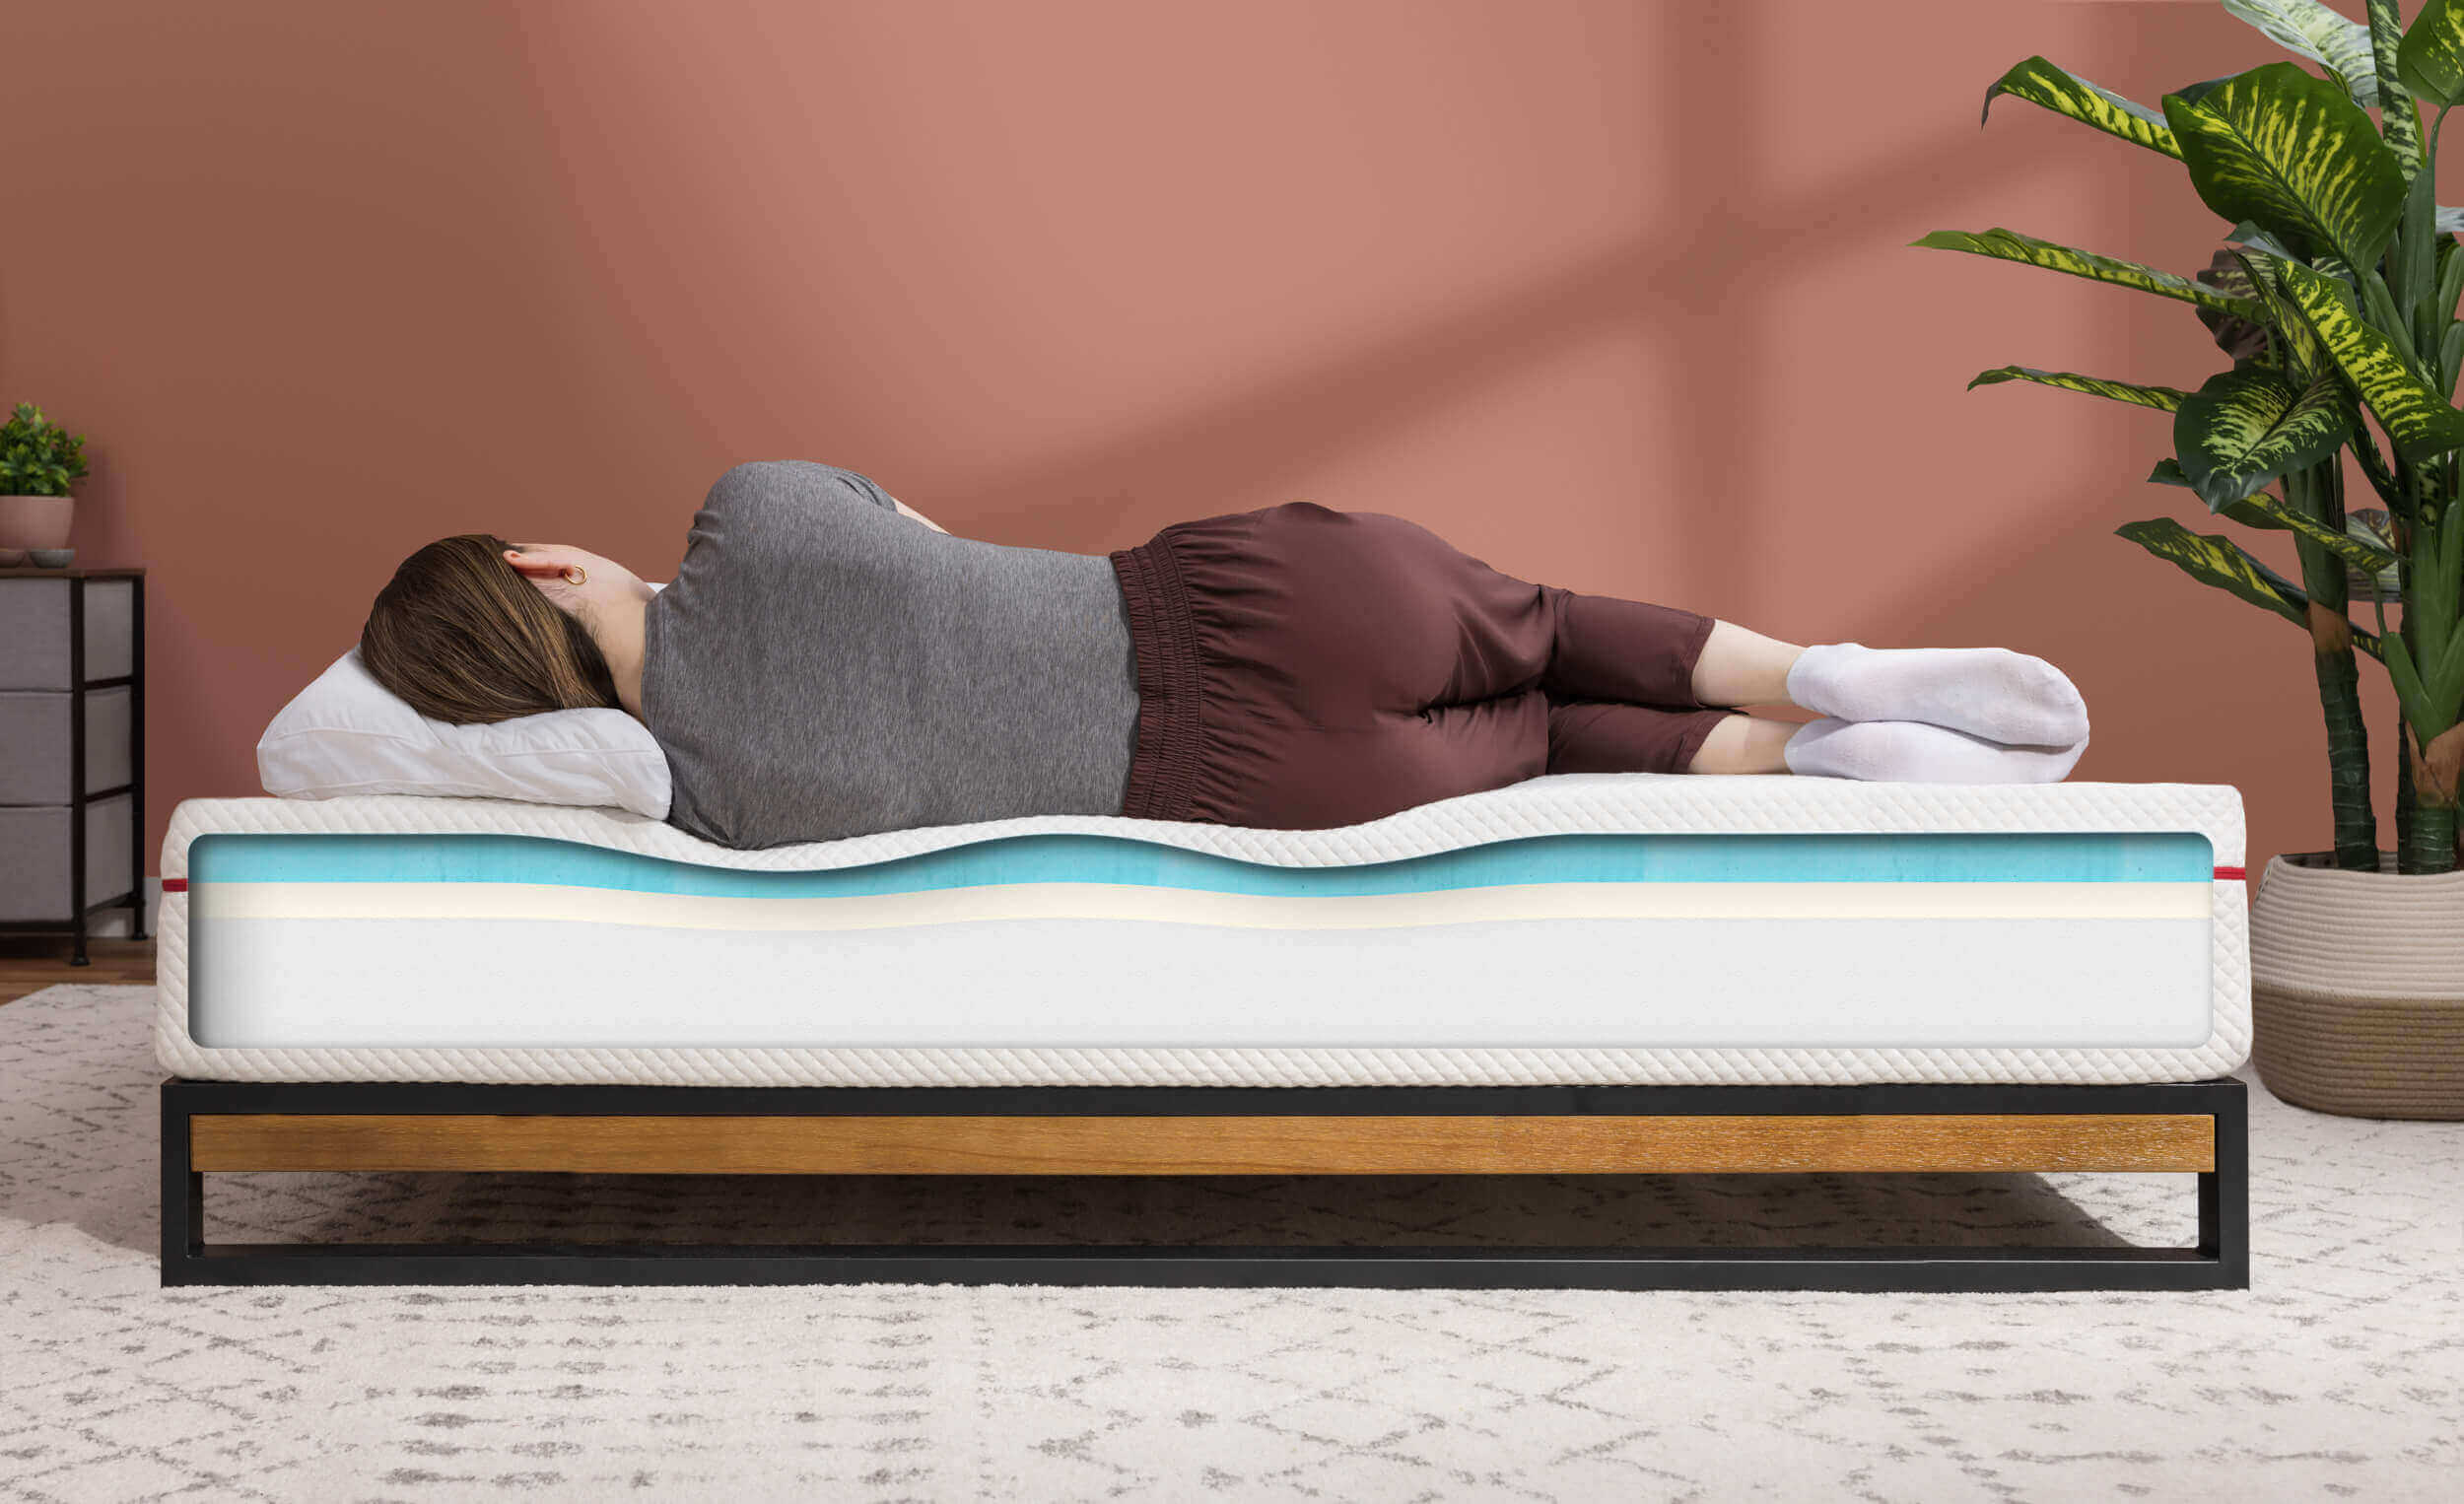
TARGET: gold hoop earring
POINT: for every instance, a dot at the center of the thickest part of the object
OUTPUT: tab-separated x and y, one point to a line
574	574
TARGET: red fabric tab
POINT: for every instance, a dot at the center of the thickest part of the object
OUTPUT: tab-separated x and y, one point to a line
2230	874
175	884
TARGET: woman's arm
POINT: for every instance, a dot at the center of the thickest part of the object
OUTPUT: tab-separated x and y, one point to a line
906	511
814	483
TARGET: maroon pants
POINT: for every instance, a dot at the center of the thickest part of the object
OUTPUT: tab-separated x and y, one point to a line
1300	667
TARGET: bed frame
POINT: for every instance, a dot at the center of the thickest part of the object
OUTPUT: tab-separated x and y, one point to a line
2198	1128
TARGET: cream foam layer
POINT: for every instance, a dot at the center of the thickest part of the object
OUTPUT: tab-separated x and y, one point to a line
1182	905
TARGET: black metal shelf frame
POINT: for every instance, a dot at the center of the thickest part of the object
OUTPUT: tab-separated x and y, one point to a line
2219	1261
81	912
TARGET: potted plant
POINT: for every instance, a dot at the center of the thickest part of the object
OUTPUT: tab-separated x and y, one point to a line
38	462
2336	298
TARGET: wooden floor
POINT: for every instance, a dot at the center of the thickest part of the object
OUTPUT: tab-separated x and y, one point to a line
28	964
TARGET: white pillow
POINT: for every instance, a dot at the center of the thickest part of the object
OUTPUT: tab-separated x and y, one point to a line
346	734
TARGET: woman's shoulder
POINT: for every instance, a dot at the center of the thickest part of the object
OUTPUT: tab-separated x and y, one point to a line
798	482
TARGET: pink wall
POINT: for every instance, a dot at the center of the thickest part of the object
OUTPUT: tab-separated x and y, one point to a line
1615	295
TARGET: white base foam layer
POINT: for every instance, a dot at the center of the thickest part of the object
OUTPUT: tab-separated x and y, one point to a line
1621	983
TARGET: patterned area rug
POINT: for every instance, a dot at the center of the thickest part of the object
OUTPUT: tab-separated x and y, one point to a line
2340	1374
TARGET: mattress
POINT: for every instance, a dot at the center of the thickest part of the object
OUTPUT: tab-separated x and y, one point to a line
1600	929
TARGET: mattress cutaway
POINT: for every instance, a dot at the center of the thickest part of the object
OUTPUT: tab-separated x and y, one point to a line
1602	928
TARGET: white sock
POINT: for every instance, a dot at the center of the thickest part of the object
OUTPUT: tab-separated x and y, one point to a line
1918	752
2002	695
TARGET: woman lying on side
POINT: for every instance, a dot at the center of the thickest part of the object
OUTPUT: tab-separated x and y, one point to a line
828	662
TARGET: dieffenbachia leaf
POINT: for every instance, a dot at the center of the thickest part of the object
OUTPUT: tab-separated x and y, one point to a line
2416	416
2431	62
2370	525
2011	246
2249	513
2249	425
2328	264
2296	346
2407	680
2042	83
2360	552
2312	29
2289	153
2259	240
2240	338
2192	94
2212	559
2401	121
2163	400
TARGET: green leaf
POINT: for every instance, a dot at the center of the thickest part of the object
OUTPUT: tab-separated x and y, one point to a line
2413	264
2378	308
2011	246
2416	416
2360	552
2373	526
2450	274
2444	685
2410	692
2320	34
2240	338
2066	94
2431	62
2329	264
37	457
2259	240
2250	513
2214	560
2401	122
2163	399
2249	425
2292	154
2295	348
2192	94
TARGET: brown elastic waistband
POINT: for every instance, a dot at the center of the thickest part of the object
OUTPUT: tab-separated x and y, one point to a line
1163	769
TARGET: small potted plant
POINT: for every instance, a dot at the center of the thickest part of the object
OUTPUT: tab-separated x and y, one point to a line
2336	300
38	462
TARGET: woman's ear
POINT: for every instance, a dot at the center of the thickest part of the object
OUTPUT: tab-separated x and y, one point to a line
532	567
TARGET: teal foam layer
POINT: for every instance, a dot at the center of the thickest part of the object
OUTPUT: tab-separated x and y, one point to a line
1944	857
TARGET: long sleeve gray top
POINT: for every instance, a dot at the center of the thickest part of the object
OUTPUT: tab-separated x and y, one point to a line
822	667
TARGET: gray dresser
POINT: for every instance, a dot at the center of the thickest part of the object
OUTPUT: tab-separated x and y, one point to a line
72	749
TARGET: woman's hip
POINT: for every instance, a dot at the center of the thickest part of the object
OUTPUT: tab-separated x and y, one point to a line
1292	662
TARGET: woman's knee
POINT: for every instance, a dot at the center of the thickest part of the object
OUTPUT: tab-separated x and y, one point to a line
1743	744
1617	736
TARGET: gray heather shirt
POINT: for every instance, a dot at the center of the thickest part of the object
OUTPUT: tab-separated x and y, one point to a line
822	667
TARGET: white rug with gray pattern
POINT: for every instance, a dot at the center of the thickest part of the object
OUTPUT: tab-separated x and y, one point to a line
2340	1374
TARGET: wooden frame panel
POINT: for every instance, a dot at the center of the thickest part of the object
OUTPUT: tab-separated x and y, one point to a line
1020	1144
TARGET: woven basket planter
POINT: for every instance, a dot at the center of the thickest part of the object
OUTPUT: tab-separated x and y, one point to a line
2357	989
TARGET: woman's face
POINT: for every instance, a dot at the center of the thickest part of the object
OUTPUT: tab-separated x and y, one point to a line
551	567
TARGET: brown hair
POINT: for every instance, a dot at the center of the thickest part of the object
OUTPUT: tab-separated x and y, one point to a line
462	636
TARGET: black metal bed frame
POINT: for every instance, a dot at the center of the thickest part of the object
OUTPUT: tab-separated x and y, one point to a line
2219	1261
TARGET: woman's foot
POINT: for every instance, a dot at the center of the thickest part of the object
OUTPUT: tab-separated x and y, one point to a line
1994	693
1919	752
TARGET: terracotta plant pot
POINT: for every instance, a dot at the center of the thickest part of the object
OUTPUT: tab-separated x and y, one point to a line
32	522
2357	989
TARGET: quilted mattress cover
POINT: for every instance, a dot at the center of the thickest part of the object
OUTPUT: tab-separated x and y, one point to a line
1623	928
